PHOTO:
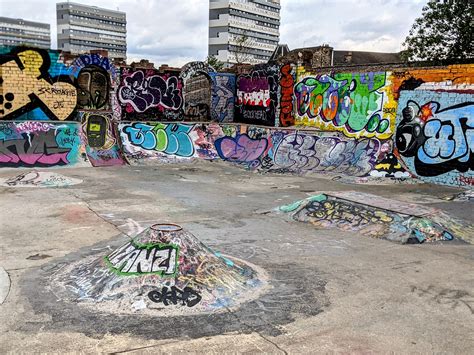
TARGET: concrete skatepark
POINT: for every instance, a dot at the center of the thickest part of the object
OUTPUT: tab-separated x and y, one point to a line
280	208
329	289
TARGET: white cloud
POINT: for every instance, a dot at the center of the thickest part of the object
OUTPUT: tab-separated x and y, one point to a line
175	31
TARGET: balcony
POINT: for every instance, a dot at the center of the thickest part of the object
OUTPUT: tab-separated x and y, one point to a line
222	38
251	25
247	7
222	21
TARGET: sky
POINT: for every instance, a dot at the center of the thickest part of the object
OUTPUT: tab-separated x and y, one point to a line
176	31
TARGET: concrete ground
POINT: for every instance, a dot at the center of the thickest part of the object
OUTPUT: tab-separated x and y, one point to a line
332	290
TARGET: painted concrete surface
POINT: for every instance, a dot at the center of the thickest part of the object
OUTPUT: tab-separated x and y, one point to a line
331	290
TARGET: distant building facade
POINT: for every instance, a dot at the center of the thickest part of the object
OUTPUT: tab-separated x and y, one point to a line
326	56
243	31
83	28
16	32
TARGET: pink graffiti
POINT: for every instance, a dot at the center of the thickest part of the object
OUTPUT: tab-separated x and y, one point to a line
31	127
241	148
253	84
34	159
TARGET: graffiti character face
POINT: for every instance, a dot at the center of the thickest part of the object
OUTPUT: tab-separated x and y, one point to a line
409	135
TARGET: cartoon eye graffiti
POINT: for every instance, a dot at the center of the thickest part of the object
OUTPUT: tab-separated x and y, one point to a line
409	132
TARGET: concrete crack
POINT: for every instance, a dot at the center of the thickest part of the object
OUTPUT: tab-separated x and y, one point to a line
141	348
99	216
253	329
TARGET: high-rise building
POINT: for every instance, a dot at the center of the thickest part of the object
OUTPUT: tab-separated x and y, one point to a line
83	28
243	31
15	32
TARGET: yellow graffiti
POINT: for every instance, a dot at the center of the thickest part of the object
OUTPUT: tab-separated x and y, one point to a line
382	98
26	84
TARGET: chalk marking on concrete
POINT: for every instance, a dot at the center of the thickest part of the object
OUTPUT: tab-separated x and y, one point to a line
77	228
4	285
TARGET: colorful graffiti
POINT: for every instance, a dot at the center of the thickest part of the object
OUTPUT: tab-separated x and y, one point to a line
287	81
351	103
28	85
408	122
147	95
170	139
299	152
241	149
333	212
204	144
102	147
257	96
436	142
28	144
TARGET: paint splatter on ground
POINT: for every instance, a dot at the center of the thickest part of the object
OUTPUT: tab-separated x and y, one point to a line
164	270
376	180
39	179
463	196
373	219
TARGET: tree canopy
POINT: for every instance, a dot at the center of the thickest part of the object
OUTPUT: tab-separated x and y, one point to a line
214	62
442	33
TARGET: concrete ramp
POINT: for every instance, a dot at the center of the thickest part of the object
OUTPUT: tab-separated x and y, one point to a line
164	270
378	217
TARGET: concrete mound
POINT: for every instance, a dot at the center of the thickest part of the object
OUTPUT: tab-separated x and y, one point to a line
367	215
163	270
39	179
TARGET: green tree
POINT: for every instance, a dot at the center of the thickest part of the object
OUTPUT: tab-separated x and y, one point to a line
442	33
214	62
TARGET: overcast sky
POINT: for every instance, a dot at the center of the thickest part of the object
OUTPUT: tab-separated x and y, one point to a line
175	31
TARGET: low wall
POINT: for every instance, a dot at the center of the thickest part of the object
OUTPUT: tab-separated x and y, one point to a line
275	150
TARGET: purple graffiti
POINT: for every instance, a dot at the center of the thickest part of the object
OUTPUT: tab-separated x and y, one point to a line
142	93
242	148
302	153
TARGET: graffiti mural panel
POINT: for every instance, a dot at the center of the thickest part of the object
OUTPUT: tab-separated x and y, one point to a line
204	138
257	96
435	135
223	97
301	153
28	85
156	140
287	81
41	144
351	103
99	136
144	94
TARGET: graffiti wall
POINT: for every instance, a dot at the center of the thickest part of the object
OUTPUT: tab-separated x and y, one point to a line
256	99
145	94
268	150
396	123
41	144
435	136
